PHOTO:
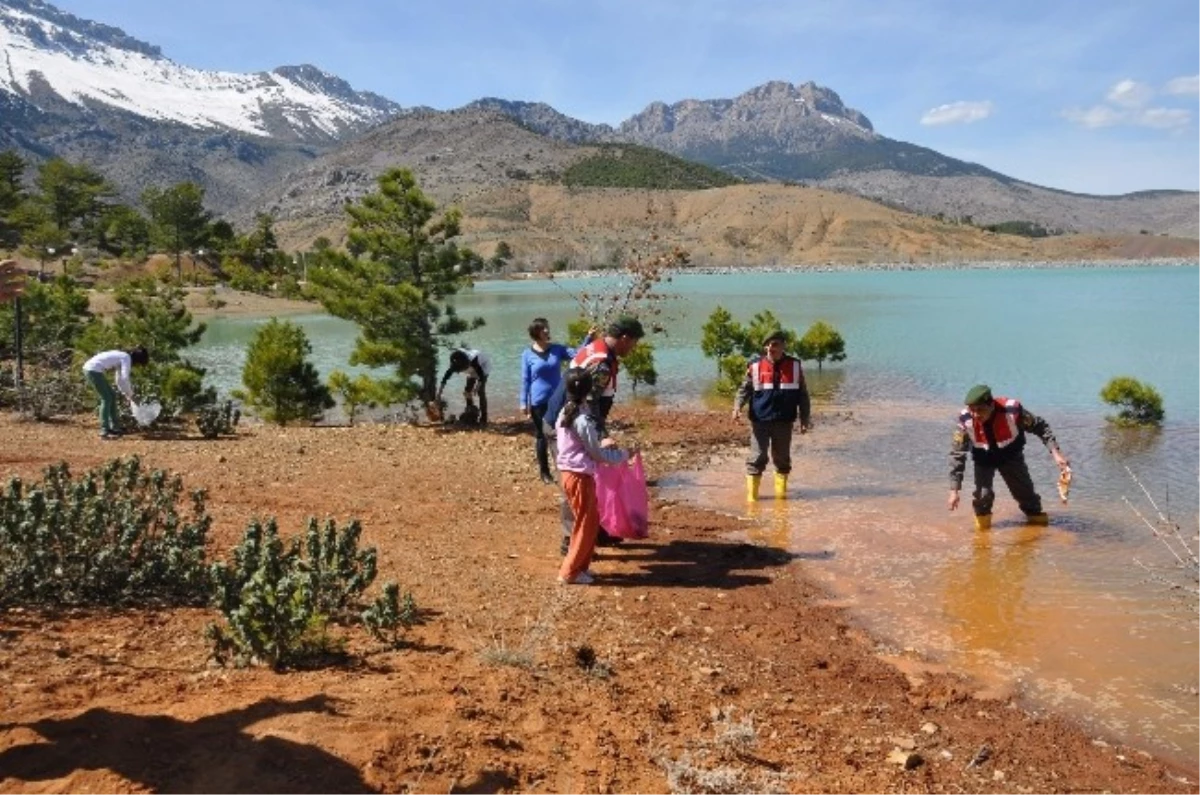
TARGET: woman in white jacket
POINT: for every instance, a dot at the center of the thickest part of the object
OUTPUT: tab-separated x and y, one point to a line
96	368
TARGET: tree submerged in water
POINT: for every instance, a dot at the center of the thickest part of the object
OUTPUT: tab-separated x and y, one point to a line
1139	404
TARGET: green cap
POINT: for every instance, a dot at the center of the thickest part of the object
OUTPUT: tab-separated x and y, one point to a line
626	326
980	393
777	334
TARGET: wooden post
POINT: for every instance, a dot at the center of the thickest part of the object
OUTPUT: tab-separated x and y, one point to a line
19	373
12	284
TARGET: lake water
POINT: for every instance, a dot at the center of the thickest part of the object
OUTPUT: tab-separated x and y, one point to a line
1064	615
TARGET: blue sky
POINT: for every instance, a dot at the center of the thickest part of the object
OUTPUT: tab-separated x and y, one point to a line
1093	96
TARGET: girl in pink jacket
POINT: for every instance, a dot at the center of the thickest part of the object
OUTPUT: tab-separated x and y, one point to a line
579	451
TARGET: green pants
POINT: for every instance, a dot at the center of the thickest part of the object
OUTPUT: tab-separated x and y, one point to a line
108	401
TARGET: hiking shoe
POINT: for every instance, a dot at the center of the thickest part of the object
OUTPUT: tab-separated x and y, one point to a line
604	539
108	435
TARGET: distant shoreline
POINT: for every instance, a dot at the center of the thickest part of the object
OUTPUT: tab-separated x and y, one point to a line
224	302
728	270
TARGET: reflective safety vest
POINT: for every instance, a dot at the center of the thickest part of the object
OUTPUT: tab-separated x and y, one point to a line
777	388
1005	425
597	358
602	362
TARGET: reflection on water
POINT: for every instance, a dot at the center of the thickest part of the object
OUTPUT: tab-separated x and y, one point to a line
986	603
1060	614
1120	443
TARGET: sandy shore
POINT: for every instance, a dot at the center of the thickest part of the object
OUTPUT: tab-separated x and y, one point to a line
217	301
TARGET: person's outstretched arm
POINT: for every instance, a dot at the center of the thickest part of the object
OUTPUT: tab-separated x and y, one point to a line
960	445
1034	424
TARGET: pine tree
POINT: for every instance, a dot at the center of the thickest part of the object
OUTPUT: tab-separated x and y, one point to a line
180	221
281	385
398	281
822	341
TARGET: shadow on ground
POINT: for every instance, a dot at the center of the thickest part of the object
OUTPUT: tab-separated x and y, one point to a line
695	564
165	754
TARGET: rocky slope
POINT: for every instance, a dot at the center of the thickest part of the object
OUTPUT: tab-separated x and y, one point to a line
779	132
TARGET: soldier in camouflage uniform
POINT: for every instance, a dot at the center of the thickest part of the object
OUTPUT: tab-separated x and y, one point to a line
994	429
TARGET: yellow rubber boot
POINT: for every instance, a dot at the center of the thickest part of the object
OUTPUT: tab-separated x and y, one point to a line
780	486
752	484
1038	519
983	522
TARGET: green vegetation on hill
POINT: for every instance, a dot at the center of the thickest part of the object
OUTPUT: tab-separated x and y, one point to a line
629	166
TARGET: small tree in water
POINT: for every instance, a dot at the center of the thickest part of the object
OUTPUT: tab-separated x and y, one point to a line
1139	404
733	345
822	341
397	283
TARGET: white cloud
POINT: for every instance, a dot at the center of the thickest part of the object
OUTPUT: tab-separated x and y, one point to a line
1126	103
1130	94
1161	118
1183	85
1099	116
1095	116
958	113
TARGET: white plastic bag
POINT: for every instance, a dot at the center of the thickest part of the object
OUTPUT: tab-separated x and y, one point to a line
146	413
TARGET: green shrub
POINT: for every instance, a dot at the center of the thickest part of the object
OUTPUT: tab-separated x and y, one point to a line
357	392
220	419
822	341
267	598
390	614
1140	403
733	344
113	536
638	365
342	571
279	598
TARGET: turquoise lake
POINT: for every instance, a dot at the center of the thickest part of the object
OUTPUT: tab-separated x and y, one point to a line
1067	617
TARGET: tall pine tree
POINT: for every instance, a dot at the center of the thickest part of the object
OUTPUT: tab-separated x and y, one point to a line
398	283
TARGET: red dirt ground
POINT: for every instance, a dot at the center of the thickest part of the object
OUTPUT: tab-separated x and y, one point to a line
718	668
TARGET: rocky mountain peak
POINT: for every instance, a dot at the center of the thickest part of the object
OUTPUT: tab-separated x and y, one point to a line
796	119
541	118
51	29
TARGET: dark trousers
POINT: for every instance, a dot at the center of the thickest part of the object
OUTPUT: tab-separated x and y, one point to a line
540	445
1016	476
477	387
774	438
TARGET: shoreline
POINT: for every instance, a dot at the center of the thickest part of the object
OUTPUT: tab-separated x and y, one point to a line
735	270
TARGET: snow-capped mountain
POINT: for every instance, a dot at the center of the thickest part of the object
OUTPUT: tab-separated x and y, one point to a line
51	57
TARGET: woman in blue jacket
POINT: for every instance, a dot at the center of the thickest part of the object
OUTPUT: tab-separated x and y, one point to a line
541	372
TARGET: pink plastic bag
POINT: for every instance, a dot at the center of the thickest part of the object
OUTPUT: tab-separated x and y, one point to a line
622	498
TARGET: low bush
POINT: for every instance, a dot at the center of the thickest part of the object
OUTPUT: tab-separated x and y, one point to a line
279	598
219	419
113	536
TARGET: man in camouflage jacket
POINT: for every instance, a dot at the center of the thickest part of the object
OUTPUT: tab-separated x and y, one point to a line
993	430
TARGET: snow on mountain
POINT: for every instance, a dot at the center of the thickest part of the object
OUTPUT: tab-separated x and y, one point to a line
84	63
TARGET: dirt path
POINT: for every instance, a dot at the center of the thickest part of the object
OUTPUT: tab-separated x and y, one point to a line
717	667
